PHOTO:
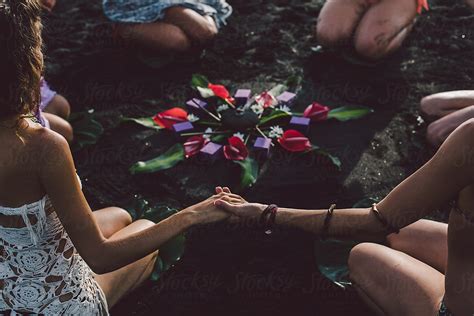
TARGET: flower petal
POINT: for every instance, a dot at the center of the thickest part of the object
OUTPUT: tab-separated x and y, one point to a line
236	149
294	141
170	117
316	112
220	91
193	145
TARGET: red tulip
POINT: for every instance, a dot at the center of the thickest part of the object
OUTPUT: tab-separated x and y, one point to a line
294	141
221	92
316	112
170	117
236	149
193	145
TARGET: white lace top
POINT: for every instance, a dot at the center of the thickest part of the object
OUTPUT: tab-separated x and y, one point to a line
41	271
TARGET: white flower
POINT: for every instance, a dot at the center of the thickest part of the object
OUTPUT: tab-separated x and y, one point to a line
207	134
240	135
192	118
276	132
257	108
222	107
284	108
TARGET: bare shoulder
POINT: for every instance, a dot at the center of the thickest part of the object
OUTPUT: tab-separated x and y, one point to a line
49	147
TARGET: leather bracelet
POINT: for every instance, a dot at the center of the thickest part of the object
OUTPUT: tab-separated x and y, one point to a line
268	217
327	221
391	229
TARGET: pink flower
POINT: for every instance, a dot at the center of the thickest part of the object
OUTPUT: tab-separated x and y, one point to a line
294	141
170	117
316	112
193	145
236	149
266	99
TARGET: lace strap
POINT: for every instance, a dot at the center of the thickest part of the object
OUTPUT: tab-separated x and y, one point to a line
40	221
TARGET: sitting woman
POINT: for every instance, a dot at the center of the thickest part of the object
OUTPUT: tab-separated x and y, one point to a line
423	268
446	110
57	257
54	111
376	28
168	27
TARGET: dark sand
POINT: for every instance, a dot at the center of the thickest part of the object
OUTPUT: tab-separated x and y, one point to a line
228	270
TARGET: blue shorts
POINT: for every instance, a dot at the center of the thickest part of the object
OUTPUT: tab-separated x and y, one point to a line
147	11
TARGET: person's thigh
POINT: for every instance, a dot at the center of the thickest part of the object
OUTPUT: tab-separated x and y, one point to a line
444	103
424	240
111	220
199	28
338	19
384	27
159	36
119	283
393	283
59	106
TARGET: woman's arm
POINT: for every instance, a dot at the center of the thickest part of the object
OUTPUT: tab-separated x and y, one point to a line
58	176
437	182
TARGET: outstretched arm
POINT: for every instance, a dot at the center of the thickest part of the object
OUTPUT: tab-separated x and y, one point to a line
58	176
437	182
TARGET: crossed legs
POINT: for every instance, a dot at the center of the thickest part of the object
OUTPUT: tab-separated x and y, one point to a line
407	278
117	223
377	27
180	31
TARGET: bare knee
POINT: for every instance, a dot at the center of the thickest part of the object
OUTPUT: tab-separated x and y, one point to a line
429	106
360	259
204	34
330	35
122	216
59	106
367	46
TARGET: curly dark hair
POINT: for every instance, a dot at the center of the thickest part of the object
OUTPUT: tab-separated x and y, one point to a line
21	57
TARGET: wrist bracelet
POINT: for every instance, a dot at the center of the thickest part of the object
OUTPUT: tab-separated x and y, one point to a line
268	218
391	229
327	221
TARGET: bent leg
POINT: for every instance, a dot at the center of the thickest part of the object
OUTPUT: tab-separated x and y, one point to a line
393	283
111	220
201	30
59	106
159	36
384	27
60	126
338	19
424	240
119	283
444	103
439	130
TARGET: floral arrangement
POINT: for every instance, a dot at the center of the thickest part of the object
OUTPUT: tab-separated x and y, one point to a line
243	128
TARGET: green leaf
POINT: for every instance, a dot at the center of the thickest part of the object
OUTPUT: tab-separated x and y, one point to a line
168	160
347	113
87	130
199	81
250	171
331	259
206	92
275	115
143	121
334	160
